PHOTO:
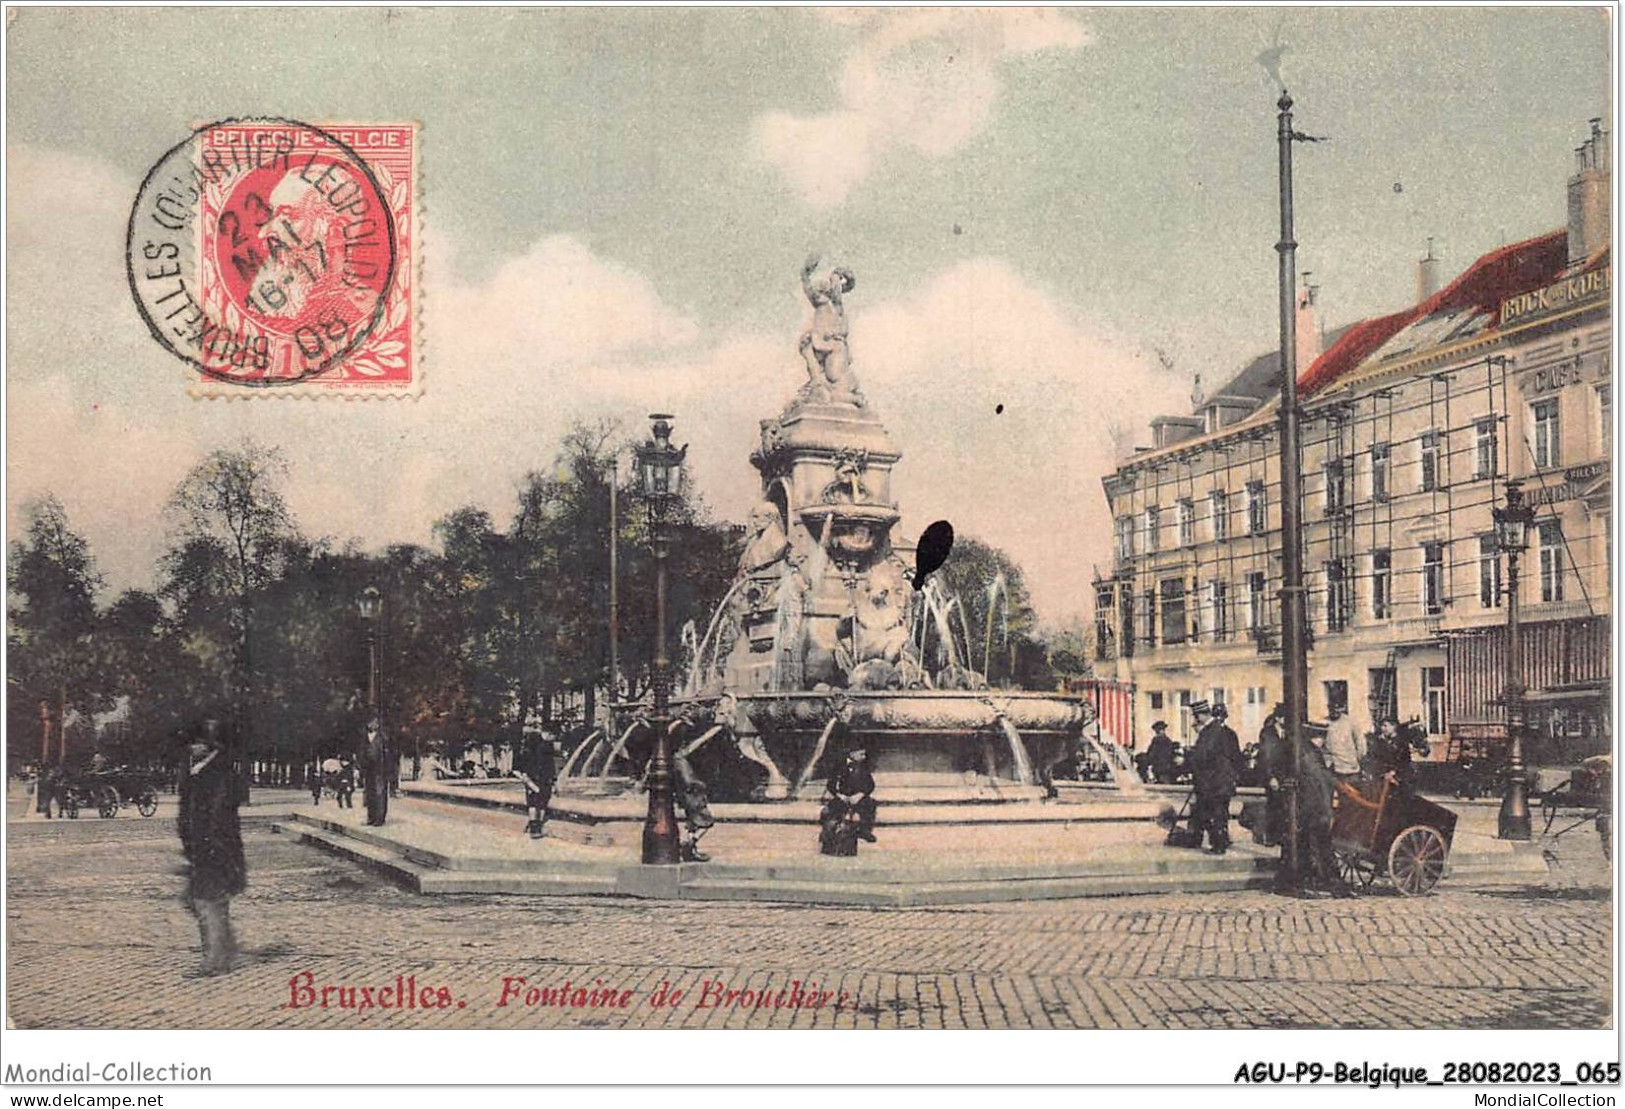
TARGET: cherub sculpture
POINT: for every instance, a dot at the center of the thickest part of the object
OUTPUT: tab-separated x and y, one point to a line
829	362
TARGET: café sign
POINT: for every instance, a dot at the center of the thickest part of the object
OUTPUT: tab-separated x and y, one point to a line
1571	292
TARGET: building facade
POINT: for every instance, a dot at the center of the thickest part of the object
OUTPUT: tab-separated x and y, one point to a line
1413	423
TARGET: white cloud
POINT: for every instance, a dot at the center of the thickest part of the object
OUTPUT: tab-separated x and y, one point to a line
927	80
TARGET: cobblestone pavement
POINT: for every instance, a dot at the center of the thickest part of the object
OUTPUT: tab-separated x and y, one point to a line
98	938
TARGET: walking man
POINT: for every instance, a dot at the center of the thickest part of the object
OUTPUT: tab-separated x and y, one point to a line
344	783
212	840
538	769
1345	746
1216	766
375	773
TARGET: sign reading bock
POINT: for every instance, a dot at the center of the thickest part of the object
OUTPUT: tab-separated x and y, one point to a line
1568	293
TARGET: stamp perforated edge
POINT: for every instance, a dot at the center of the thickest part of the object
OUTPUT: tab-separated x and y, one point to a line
204	388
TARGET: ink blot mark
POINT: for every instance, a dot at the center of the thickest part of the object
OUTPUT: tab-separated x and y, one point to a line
998	409
958	230
933	550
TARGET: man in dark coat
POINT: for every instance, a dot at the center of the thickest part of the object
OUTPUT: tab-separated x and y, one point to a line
1275	760
375	757
1216	766
537	770
1316	787
1390	753
1160	753
212	840
852	788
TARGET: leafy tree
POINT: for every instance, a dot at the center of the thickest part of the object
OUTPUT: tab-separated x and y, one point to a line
52	584
232	537
999	620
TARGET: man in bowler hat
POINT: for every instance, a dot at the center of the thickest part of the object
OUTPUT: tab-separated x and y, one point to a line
212	840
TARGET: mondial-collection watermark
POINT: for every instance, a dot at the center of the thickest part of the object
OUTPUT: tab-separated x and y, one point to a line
136	1072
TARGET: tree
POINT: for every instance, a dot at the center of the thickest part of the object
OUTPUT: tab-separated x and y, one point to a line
52	582
141	651
232	537
999	620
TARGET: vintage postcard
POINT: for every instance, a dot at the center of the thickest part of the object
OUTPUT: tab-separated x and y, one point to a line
752	519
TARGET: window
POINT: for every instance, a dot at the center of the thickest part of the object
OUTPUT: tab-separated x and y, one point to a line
1543	415
1125	537
1605	420
1337	693
1154	699
1379	471
1105	602
1148	617
1337	596
1489	572
1382	584
1257	509
1173	610
1185	731
1218	596
1551	561
1433	698
1433	578
1484	448
1153	521
1219	507
1332	474
1216	697
1430	461
1255	602
1187	523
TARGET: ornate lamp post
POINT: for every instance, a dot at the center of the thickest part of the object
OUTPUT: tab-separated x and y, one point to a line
1512	536
371	604
660	476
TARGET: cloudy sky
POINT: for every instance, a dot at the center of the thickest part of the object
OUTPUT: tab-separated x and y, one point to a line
1042	208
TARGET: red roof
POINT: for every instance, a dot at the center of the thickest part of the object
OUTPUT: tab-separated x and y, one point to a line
1480	290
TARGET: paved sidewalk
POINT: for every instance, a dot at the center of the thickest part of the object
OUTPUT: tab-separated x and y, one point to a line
99	939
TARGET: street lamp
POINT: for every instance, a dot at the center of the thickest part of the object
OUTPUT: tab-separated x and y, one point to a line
660	477
371	604
1512	536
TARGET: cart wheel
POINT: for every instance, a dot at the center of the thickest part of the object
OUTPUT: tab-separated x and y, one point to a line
1416	860
106	804
1605	829
69	806
1354	870
147	803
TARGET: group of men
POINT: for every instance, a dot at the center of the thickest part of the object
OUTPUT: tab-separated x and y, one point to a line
1339	754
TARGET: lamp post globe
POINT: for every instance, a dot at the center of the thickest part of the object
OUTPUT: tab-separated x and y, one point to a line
660	478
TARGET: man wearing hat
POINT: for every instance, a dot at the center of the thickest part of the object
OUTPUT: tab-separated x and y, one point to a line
1159	753
1216	766
854	787
1275	759
212	841
375	759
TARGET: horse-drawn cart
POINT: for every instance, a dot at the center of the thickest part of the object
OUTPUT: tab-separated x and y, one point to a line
1588	796
1379	830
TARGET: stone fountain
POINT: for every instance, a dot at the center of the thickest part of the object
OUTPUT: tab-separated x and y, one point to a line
823	643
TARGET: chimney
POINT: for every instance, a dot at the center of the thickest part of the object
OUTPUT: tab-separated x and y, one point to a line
1308	325
1588	196
1427	275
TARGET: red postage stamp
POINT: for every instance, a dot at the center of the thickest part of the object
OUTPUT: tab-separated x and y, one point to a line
281	257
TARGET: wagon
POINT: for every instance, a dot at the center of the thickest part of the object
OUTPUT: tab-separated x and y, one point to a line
107	791
1379	830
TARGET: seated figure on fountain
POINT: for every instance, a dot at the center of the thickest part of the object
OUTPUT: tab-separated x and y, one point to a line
823	345
766	543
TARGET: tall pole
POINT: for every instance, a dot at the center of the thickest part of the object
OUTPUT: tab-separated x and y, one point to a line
1514	818
1294	648
44	733
614	585
660	829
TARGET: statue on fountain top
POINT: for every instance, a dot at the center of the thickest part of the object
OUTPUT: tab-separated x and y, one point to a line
823	345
